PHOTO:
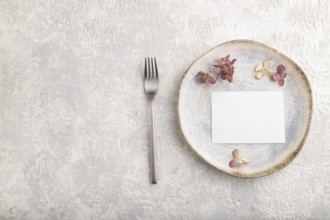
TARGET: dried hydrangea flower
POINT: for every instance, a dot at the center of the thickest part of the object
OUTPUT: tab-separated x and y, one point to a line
261	70
224	69
205	77
278	76
237	160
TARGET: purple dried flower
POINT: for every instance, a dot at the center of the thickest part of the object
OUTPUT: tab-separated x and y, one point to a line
237	160
225	71
280	75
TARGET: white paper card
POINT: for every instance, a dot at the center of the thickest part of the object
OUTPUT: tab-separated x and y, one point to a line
248	117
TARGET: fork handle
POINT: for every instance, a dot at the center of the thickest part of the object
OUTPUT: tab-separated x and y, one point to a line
152	146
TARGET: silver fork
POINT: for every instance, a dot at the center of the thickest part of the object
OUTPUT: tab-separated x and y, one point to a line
151	85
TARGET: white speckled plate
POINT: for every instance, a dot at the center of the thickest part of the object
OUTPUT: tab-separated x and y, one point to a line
195	108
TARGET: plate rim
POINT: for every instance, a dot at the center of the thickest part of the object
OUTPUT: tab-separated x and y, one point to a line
288	158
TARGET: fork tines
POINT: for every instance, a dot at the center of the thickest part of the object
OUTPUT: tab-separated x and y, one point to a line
150	68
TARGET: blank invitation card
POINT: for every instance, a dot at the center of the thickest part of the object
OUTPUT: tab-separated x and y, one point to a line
248	117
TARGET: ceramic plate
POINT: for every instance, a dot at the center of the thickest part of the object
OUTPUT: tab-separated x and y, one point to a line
194	108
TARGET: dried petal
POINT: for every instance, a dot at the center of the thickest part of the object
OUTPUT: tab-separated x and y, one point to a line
202	77
230	75
280	69
281	81
225	62
236	153
259	68
230	72
232	62
267	63
230	79
283	75
211	80
233	163
225	59
223	75
276	76
259	75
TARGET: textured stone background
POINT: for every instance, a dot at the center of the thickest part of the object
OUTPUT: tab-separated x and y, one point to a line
73	114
